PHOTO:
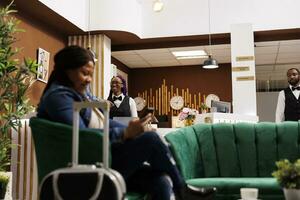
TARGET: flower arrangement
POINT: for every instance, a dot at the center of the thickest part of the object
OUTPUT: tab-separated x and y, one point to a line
288	174
187	113
203	106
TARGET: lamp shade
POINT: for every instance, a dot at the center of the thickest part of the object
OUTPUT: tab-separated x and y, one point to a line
210	63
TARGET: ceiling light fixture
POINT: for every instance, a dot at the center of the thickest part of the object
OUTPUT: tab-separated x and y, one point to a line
194	54
210	63
158	5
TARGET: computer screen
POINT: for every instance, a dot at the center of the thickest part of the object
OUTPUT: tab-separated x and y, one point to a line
221	106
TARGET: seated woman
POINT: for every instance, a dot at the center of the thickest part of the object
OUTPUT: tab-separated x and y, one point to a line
131	146
122	105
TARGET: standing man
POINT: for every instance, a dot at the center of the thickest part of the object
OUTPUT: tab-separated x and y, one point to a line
288	105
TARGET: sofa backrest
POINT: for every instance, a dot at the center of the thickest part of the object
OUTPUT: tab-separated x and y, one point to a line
233	150
53	145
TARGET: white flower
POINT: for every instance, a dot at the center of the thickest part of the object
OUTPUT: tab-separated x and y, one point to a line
187	113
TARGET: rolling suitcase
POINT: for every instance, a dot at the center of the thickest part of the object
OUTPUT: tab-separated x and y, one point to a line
85	181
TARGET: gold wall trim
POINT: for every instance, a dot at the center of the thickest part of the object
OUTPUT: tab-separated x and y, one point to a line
240	69
159	98
244	58
245	78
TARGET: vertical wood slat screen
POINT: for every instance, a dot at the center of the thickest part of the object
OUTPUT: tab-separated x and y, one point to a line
96	42
23	164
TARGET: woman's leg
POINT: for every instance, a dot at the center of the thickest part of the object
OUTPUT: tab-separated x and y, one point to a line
155	184
128	157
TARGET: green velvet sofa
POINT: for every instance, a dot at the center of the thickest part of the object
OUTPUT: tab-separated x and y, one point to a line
232	156
53	145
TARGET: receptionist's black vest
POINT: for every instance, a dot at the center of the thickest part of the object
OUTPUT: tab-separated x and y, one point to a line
292	106
122	111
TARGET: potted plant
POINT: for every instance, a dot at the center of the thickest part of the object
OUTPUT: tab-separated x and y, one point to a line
288	177
15	79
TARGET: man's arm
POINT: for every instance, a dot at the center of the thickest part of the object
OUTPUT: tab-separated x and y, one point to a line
279	117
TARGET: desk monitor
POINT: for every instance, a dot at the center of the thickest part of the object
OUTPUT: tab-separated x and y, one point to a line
221	106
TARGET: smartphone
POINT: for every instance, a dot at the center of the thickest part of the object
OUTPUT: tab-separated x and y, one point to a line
150	110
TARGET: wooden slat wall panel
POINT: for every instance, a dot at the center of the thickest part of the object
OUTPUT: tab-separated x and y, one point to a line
23	164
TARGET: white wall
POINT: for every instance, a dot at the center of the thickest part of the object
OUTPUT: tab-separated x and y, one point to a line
75	11
190	17
121	15
266	105
179	17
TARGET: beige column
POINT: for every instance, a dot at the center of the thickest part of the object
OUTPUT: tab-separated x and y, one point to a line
243	69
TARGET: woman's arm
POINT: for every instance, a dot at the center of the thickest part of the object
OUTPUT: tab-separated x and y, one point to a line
59	107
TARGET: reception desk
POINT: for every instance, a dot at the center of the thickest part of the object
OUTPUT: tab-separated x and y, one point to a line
225	118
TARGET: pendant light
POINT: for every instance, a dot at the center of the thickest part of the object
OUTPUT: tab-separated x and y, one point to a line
210	63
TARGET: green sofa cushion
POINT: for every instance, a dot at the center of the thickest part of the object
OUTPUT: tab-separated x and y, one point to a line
230	187
266	144
245	142
288	140
135	196
226	150
231	156
205	139
53	145
187	151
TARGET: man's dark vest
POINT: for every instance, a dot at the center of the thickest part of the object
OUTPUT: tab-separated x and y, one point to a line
292	106
122	111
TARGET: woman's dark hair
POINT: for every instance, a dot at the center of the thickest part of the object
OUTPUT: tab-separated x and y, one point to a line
69	58
123	89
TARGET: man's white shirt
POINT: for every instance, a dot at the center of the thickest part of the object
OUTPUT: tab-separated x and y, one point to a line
279	117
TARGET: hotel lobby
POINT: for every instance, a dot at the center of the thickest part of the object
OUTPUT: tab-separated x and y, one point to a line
225	60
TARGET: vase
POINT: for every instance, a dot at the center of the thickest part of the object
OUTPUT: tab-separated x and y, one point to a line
189	122
291	194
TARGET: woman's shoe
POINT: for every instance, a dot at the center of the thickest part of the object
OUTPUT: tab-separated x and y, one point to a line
190	192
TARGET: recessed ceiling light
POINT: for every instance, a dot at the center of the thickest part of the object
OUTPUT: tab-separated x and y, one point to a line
158	5
190	54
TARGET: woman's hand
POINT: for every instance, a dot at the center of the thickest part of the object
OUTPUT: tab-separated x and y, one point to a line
136	127
111	104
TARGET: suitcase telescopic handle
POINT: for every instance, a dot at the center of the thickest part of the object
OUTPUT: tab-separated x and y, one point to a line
77	106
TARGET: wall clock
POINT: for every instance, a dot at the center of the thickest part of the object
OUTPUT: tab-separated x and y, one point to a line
140	103
176	102
209	98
